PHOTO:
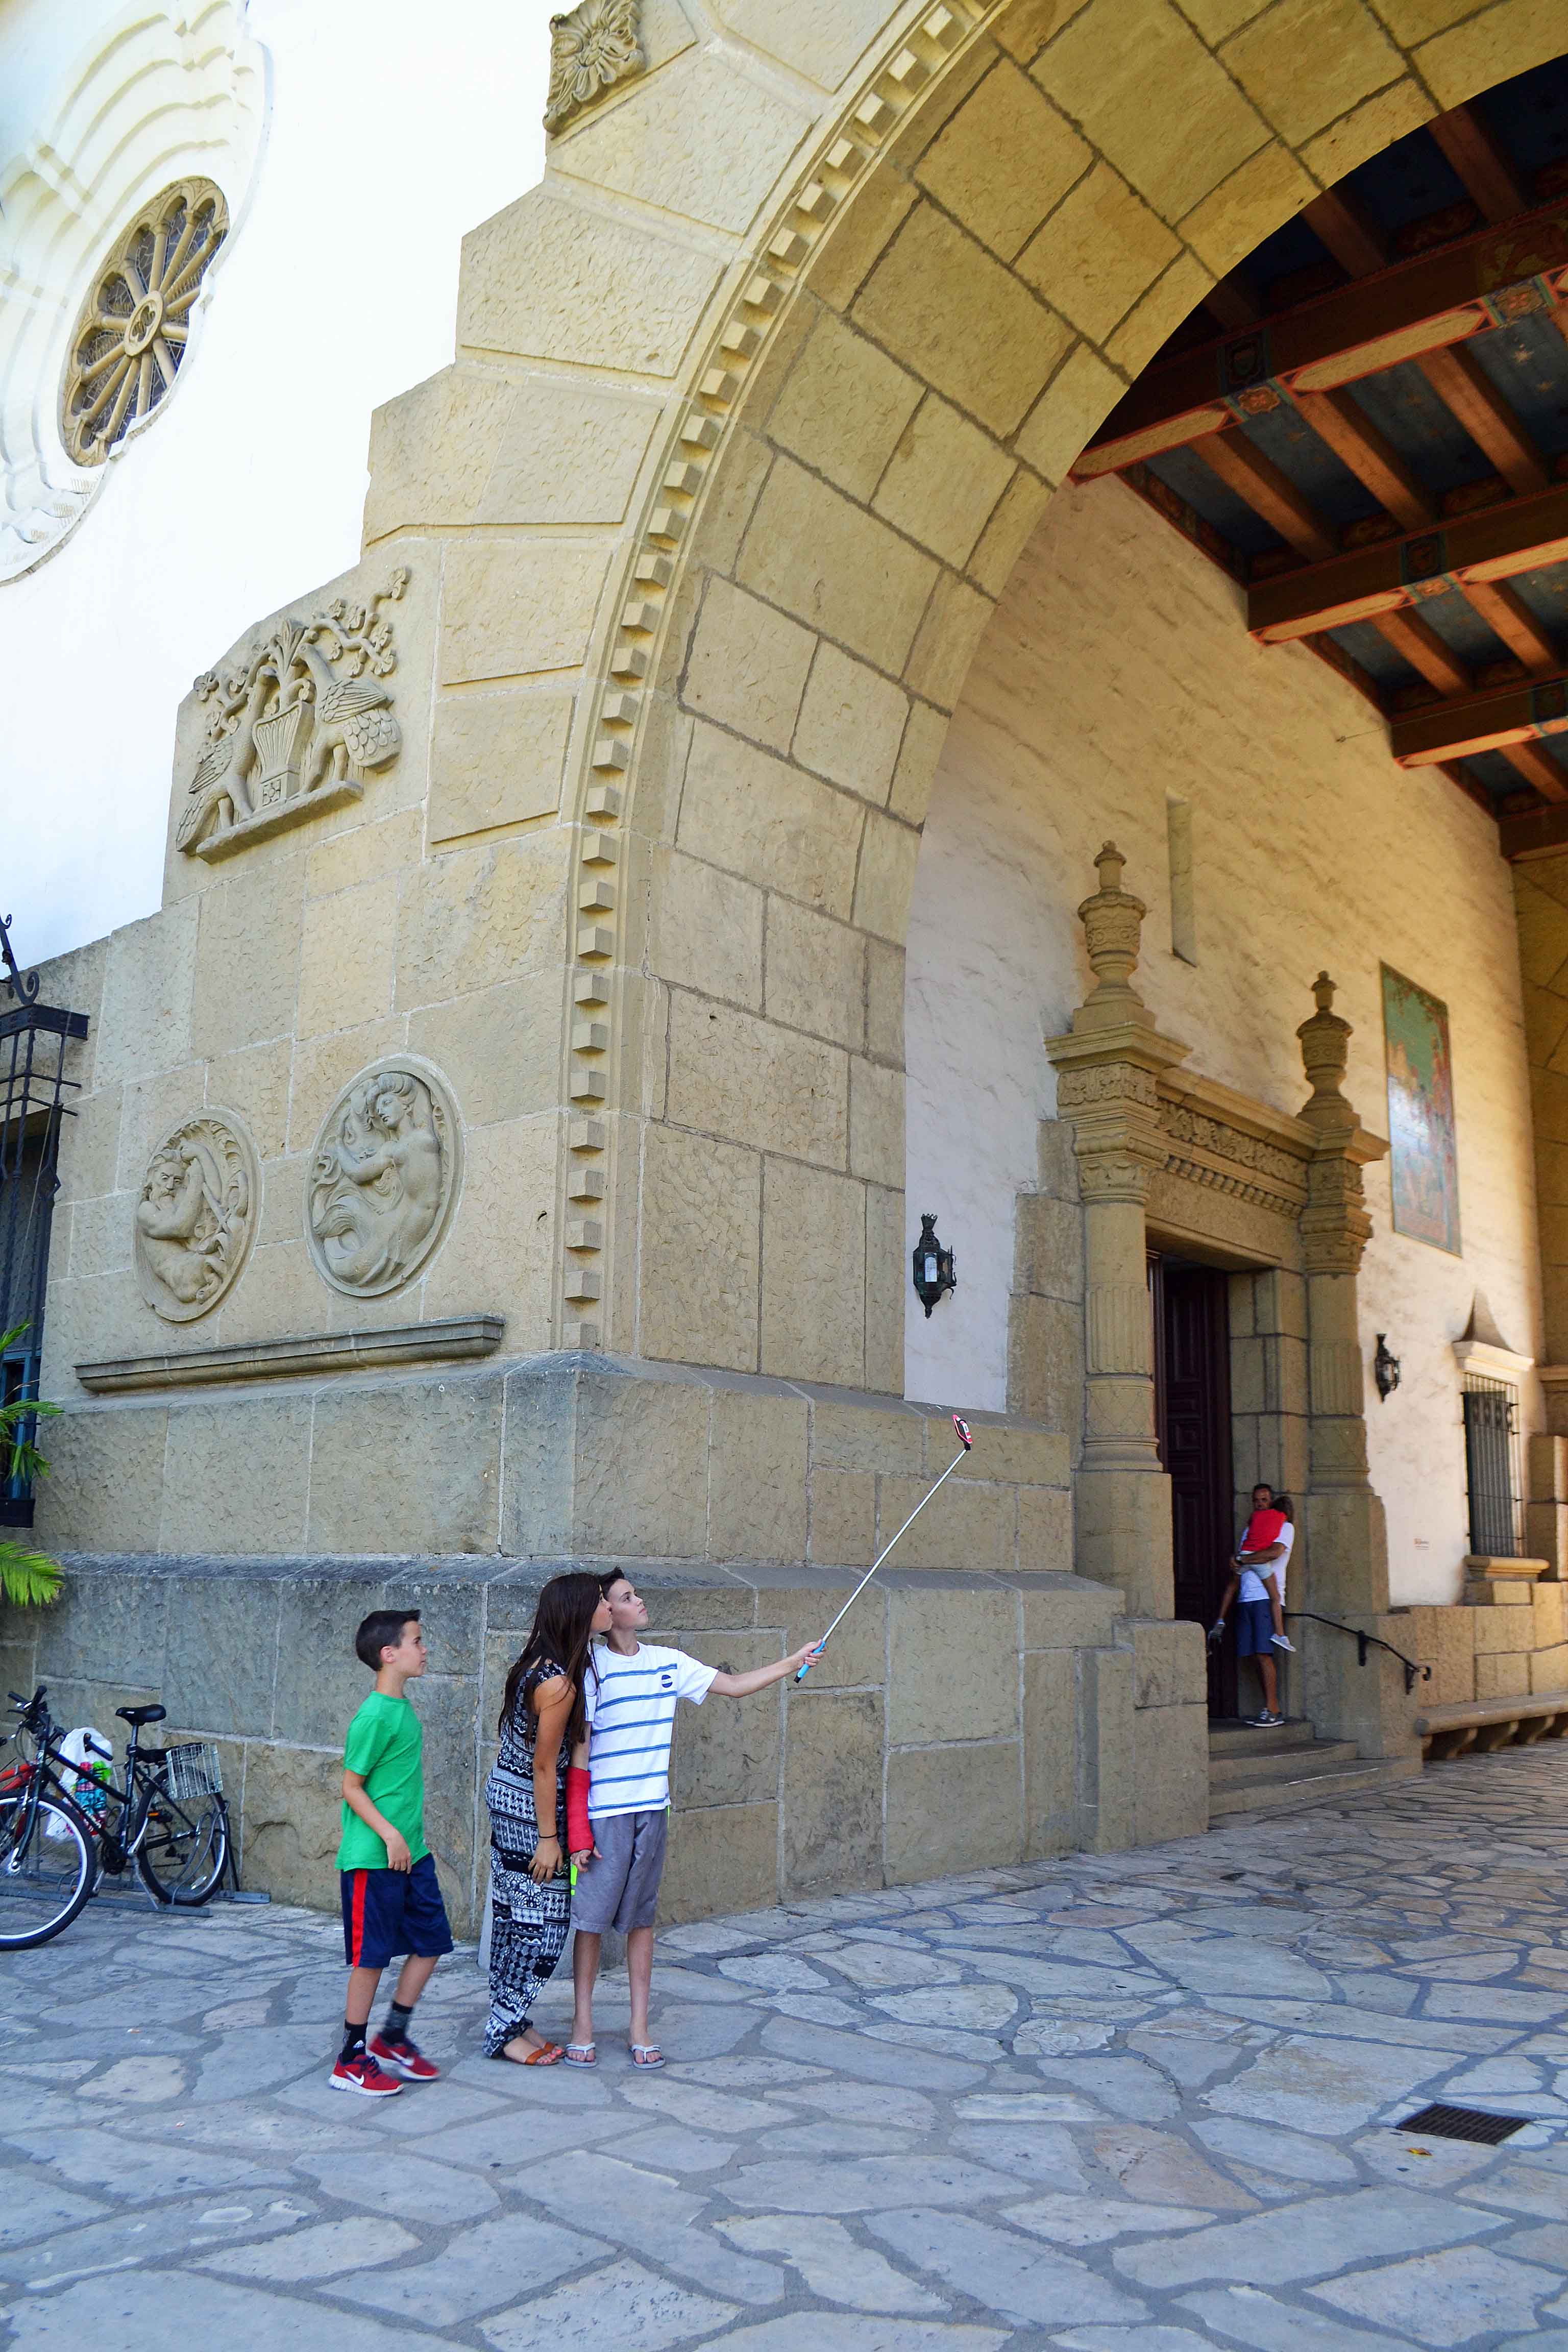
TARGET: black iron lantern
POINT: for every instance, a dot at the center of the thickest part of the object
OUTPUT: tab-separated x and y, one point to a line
936	1268
1384	1368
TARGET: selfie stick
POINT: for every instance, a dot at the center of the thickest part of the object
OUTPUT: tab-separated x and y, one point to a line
965	1442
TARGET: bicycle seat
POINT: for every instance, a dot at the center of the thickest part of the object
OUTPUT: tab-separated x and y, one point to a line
139	1715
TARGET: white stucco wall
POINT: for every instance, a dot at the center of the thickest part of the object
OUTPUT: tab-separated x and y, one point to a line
393	128
1117	671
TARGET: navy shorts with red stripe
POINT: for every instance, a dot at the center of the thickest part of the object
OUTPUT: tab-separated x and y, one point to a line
387	1912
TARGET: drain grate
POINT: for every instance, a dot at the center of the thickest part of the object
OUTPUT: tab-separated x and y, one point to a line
1462	2123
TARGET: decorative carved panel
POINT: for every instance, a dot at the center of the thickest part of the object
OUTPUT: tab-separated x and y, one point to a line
196	1216
591	49
296	724
382	1177
130	337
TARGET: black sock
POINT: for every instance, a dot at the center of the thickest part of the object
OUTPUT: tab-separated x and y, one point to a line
354	2042
396	2026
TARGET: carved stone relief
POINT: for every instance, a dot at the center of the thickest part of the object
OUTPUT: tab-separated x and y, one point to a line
196	1216
1183	1126
130	337
382	1177
591	49
296	723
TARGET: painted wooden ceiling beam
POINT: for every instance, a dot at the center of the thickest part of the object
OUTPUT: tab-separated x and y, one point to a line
1490	546
1337	220
1538	768
1534	832
1510	617
1418	642
1355	440
1471	397
1489	720
1488	176
1404	312
1269	493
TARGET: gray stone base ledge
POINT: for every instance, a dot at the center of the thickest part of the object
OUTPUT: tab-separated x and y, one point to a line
454	1338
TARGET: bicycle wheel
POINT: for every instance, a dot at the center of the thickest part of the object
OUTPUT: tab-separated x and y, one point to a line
181	1859
48	1869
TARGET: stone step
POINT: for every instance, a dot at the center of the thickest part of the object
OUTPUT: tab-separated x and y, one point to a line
1314	1789
1282	1764
1234	1738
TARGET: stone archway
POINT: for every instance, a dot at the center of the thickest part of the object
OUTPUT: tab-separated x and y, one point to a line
991	232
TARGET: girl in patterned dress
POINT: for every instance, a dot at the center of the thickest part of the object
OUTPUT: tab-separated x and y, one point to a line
541	1725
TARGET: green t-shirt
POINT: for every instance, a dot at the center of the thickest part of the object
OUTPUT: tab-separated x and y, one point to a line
384	1747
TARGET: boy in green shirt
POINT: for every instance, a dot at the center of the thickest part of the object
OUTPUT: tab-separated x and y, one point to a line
391	1900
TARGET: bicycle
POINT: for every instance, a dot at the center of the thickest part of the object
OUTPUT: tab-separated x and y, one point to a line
60	1825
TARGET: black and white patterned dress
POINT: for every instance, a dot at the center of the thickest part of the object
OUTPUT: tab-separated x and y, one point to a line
528	1922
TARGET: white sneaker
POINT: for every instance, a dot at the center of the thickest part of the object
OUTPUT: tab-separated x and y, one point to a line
1283	1641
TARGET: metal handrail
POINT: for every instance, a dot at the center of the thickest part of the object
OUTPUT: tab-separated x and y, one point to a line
1413	1673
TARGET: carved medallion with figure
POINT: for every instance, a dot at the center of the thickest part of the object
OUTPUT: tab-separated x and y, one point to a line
383	1178
195	1216
295	725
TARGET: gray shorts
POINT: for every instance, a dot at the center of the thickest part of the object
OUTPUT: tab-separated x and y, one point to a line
621	1889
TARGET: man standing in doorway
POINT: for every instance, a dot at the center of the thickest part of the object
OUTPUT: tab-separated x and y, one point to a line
1264	1552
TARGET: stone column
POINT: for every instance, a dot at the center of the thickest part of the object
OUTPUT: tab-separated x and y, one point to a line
1344	1566
1109	1065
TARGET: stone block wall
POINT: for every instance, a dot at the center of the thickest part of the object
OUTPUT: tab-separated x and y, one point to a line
563	1455
1515	1646
957	1718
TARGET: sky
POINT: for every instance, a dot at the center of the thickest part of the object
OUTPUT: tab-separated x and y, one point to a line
392	129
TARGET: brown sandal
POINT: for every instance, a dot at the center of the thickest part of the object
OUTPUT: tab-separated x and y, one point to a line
548	2054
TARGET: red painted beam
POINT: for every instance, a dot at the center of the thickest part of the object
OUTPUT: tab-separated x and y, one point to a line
1480	282
1489	721
1492	545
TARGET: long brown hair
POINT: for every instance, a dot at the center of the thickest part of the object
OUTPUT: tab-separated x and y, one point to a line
562	1630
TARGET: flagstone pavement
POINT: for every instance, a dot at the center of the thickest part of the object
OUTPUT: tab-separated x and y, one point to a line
1132	2103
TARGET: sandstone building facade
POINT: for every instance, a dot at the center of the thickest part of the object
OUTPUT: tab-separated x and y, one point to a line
776	769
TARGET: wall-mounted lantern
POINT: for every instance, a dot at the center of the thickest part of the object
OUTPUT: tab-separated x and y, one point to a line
936	1268
1384	1368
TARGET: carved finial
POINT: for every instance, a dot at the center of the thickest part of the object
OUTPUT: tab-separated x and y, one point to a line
1325	1045
1112	924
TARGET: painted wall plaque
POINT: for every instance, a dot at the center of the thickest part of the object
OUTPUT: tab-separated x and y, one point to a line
1423	1161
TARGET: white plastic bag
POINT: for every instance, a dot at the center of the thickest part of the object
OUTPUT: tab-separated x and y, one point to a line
87	1750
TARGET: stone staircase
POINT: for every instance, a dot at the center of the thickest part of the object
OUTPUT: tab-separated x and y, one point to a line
1282	1771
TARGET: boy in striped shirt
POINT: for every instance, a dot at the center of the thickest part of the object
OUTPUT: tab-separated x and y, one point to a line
630	1705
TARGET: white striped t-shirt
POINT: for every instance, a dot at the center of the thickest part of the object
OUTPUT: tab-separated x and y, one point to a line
630	1708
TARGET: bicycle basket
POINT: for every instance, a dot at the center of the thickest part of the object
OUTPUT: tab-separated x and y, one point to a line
194	1770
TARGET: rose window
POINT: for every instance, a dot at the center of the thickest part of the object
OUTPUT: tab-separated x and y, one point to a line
130	333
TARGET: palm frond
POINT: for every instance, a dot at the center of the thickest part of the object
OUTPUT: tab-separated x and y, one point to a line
26	1463
29	1579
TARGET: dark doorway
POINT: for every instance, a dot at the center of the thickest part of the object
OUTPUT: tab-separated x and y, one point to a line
1192	1408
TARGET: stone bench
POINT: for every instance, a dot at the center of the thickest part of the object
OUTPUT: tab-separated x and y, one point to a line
1482	1724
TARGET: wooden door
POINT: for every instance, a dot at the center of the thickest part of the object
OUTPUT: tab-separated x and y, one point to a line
1192	1400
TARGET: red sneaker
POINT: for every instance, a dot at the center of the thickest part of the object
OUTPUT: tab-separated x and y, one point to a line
364	2075
411	2063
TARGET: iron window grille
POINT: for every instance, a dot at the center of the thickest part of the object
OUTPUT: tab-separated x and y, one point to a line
34	1105
1491	1465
